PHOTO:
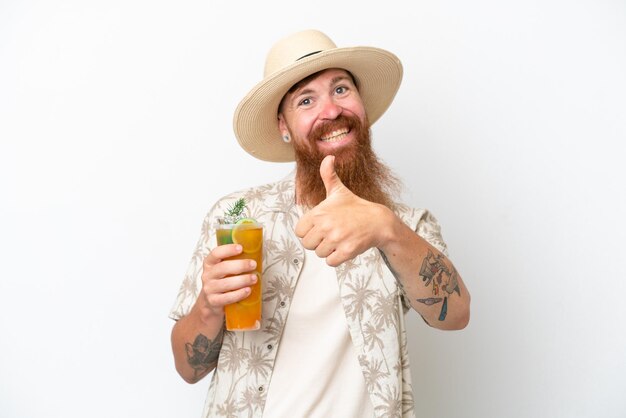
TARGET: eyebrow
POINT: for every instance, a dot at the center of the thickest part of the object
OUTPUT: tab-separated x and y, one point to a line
339	78
304	91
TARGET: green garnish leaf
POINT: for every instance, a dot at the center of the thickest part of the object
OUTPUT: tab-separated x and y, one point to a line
236	211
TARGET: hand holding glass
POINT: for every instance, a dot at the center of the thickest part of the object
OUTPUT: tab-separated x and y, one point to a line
244	315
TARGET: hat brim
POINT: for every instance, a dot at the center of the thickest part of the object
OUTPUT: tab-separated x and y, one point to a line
377	73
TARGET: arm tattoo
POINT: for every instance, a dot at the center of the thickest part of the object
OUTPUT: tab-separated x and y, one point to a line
429	301
442	277
203	353
435	273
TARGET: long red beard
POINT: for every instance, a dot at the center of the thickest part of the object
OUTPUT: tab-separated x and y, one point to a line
356	164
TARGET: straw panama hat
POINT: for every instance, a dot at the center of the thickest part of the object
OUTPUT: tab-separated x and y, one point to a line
377	73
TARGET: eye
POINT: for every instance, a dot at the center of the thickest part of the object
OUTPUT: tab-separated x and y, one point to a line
340	90
304	102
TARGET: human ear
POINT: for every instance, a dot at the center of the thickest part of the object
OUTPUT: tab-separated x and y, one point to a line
282	125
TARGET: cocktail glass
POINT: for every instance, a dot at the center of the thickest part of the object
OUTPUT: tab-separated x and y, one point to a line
244	315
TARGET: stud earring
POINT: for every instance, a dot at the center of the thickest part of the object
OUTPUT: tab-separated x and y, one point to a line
286	138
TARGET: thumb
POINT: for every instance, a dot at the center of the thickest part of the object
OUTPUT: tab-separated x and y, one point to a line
331	180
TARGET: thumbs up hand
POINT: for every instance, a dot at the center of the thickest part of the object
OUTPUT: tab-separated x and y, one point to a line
343	225
331	180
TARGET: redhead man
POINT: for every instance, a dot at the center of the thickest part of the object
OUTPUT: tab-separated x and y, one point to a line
343	262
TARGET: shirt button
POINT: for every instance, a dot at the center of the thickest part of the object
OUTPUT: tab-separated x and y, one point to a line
282	304
261	389
270	346
296	261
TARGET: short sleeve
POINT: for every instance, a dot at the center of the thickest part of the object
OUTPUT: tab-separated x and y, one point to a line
192	281
428	228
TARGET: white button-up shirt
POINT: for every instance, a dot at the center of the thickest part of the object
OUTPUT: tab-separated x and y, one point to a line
373	303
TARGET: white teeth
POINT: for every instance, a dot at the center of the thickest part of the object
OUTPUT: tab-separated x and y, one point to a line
335	136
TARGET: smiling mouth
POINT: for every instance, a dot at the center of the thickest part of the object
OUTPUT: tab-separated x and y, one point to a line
335	136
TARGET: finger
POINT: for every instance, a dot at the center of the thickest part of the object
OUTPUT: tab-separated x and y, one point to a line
312	239
331	180
336	258
230	289
234	267
231	283
304	225
221	252
325	248
222	299
229	268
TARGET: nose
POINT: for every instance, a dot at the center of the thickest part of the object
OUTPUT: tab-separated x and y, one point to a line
330	109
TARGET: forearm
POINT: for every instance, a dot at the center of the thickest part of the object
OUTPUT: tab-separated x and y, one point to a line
196	343
428	278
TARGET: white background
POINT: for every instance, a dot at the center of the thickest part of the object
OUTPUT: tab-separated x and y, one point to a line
115	129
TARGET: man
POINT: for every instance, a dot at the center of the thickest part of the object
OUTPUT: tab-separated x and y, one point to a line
343	261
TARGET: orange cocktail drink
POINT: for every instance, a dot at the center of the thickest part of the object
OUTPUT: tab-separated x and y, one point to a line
244	315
